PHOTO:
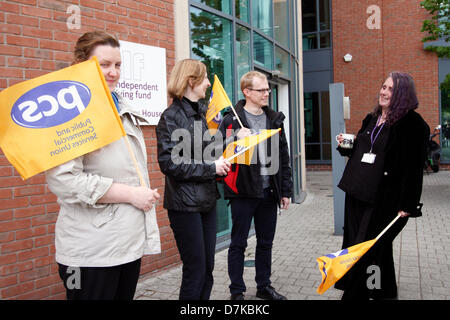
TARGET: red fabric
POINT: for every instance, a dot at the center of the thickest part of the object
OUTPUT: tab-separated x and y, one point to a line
231	177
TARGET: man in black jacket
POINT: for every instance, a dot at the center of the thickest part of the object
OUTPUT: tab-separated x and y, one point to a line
256	191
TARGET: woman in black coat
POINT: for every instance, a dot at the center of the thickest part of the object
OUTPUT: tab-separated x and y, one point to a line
382	179
190	192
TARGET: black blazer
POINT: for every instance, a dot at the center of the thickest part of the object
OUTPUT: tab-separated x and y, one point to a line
400	188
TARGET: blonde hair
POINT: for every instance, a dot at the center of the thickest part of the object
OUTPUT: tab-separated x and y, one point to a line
88	41
185	72
247	79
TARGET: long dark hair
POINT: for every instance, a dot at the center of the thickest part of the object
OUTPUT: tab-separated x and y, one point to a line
403	99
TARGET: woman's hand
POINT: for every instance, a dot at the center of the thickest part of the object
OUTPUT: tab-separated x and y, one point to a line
284	204
403	214
143	198
140	197
222	166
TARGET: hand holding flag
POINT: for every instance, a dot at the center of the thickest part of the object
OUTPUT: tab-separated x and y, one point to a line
335	265
241	151
218	101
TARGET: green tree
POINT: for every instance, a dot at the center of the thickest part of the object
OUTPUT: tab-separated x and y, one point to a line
438	27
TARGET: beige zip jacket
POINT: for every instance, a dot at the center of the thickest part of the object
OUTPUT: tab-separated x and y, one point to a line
88	234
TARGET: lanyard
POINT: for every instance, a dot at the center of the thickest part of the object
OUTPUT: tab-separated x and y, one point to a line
116	100
372	139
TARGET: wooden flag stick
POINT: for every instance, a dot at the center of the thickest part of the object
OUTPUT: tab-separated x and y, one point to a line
386	229
141	178
237	117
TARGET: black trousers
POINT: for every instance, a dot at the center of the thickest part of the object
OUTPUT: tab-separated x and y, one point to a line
195	235
264	213
362	222
101	283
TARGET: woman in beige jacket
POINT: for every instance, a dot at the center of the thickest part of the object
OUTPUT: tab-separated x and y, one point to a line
107	221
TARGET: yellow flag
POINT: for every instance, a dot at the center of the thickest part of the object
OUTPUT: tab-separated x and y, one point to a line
241	151
218	101
57	117
333	266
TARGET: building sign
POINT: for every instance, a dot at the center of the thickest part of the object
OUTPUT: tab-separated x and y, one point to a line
143	79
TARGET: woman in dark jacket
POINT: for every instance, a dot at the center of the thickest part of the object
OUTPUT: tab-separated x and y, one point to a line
382	179
190	184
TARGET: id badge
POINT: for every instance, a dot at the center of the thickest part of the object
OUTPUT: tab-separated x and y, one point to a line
368	158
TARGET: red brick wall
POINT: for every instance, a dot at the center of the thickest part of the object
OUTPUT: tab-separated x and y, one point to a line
35	40
396	46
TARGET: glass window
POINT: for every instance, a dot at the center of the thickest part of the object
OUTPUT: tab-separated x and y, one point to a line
312	119
309	21
243	59
242	10
310	42
326	151
325	41
223	222
325	116
273	101
263	51
324	14
257	26
281	21
316	23
317	125
312	151
211	43
221	5
262	16
282	61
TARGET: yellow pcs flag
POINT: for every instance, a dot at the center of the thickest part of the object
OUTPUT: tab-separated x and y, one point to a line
333	266
217	102
57	117
241	151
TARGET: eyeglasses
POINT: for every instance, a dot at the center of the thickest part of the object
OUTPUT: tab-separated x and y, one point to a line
261	90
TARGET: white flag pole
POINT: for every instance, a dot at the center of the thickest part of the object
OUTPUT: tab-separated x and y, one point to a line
237	117
238	154
386	229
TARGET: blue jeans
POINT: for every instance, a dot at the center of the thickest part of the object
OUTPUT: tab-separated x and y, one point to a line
195	235
264	213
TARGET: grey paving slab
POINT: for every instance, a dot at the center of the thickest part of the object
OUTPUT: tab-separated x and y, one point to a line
305	232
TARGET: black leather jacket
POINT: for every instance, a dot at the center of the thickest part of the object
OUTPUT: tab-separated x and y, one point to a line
190	181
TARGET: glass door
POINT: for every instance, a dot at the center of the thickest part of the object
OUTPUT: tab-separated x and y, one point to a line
273	99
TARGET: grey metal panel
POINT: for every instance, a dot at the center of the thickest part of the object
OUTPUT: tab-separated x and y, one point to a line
317	60
438	43
338	162
317	70
317	81
444	69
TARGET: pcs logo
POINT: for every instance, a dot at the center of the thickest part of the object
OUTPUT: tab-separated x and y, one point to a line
238	149
37	108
